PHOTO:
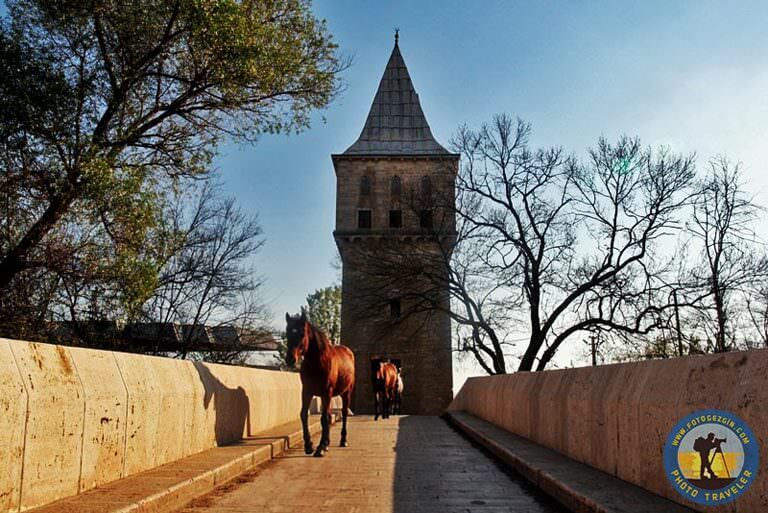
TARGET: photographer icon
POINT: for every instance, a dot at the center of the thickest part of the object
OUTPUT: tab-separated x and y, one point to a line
704	446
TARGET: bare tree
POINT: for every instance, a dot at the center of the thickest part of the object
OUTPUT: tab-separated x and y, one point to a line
537	247
723	223
573	240
207	280
757	310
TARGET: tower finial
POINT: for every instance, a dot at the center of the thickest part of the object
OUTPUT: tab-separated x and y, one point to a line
397	35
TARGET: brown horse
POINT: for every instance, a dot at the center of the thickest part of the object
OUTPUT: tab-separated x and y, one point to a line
384	387
326	371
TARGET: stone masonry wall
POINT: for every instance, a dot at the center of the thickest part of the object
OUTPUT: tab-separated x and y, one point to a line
72	419
423	341
617	417
380	201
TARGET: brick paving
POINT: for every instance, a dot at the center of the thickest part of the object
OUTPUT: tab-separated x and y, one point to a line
400	465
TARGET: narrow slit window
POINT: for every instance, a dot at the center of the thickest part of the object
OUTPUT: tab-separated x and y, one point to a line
396	186
365	186
395	218
364	219
426	186
394	308
425	219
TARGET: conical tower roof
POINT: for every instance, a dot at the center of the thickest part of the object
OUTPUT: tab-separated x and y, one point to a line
396	124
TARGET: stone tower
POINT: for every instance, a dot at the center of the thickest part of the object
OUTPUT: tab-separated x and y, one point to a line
386	185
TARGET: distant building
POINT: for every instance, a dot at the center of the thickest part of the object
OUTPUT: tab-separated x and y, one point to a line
394	160
161	337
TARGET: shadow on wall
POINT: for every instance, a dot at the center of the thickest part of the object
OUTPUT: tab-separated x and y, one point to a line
437	469
231	407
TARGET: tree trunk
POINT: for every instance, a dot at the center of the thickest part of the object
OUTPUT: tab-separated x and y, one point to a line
15	261
529	358
720	346
546	357
677	325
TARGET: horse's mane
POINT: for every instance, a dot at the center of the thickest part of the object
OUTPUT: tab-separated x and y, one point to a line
316	336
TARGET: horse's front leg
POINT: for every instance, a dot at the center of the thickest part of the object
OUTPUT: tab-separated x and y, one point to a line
376	406
306	400
325	421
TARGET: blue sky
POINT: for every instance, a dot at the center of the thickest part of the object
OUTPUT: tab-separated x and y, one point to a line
690	75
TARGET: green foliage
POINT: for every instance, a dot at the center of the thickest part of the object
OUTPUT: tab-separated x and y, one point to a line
324	311
265	64
137	279
109	106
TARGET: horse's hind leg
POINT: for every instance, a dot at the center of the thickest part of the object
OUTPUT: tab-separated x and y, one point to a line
306	399
344	414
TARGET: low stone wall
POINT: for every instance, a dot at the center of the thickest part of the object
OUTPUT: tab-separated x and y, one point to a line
72	419
617	417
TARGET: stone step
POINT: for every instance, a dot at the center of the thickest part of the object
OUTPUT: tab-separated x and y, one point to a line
169	487
579	487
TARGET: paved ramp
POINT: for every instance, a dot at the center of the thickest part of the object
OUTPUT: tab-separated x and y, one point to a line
401	465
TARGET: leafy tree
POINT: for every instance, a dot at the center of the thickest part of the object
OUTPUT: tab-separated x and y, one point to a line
105	103
324	311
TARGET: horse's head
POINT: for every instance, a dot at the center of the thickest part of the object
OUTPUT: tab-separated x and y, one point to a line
297	337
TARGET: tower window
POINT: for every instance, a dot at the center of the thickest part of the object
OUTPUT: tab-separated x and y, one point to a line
426	186
394	308
364	219
425	219
365	185
395	186
395	218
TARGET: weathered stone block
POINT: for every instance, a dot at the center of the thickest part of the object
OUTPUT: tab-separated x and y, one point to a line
610	381
516	408
54	434
176	397
13	412
200	413
104	424
144	415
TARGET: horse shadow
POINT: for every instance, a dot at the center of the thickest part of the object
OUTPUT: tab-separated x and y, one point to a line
231	407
